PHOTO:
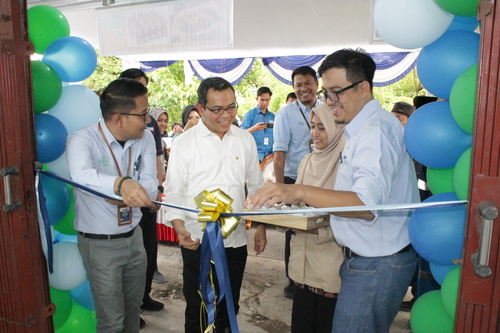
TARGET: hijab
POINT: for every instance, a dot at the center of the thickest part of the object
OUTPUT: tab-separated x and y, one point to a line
319	168
185	114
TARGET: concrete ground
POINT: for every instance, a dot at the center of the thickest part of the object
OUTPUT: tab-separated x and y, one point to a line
263	308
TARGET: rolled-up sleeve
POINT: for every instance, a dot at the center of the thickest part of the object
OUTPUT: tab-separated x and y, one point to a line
282	135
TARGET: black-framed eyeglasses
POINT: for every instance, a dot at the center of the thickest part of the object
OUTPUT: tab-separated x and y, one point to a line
218	111
143	115
334	95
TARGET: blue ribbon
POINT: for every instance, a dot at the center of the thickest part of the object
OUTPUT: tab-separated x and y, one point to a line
212	247
46	223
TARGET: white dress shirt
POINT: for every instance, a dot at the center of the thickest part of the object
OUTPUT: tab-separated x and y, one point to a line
91	164
376	166
200	160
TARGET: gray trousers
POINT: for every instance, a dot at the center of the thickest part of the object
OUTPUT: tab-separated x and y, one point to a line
116	270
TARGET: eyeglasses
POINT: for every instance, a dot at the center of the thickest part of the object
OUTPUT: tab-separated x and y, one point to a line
218	111
334	95
143	115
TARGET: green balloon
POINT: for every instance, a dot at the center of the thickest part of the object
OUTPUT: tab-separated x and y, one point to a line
459	7
47	86
463	99
461	175
80	320
65	225
427	315
440	180
449	292
45	25
63	302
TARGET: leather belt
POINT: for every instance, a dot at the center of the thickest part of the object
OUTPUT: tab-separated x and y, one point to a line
108	237
349	254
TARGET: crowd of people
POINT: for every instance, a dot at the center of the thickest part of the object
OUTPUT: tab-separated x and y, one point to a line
333	148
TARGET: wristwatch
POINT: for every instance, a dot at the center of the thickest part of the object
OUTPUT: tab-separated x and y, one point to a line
161	188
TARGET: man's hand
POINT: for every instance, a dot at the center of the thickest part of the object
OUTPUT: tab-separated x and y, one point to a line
159	199
134	194
260	239
185	239
257	127
273	193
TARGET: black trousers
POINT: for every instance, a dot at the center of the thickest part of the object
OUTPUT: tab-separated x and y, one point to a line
236	262
311	313
149	236
288	236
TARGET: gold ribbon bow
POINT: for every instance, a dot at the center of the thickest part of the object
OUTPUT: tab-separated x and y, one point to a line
212	205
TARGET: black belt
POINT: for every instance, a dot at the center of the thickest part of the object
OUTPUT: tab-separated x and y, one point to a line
108	237
349	254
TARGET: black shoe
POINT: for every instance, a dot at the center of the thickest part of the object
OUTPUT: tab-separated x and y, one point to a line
142	323
406	306
289	290
151	305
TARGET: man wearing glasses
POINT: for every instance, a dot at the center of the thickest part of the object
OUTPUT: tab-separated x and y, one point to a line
213	154
375	169
115	156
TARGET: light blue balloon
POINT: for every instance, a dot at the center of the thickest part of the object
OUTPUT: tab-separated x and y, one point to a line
78	107
437	233
69	272
51	137
439	272
60	166
433	138
83	296
59	237
73	58
439	64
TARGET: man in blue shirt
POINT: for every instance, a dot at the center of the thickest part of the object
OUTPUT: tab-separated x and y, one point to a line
375	169
259	122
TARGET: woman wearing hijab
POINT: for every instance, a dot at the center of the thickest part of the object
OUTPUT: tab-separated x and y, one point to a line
161	117
316	257
190	117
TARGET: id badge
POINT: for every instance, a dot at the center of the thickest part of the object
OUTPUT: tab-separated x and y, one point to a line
266	141
311	145
124	215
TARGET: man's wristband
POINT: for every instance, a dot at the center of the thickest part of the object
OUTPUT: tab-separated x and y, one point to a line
161	189
119	187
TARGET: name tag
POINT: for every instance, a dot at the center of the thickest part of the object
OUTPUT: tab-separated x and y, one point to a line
124	215
266	141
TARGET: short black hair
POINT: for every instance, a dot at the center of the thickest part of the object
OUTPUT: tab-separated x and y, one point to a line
358	64
134	74
264	90
216	83
119	96
290	95
304	70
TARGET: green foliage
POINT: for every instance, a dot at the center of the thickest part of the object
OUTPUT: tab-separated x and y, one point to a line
167	87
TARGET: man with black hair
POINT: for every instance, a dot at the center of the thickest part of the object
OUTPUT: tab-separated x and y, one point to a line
375	169
260	121
115	156
213	154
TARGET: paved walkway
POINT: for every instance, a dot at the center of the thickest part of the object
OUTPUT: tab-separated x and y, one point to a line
263	308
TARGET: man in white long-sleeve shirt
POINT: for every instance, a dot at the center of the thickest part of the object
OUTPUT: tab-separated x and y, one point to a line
116	157
213	154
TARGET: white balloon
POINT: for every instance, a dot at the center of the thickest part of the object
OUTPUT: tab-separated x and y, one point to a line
78	107
410	24
69	272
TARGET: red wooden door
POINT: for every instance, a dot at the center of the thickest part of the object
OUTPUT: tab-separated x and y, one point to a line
24	292
479	289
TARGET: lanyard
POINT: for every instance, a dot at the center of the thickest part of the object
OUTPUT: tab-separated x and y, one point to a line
114	158
302	113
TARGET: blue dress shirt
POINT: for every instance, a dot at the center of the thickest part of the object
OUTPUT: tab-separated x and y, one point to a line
256	116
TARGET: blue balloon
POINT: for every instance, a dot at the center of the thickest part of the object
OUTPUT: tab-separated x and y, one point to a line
59	237
57	198
73	58
437	234
50	137
468	23
433	138
83	296
77	115
439	64
439	272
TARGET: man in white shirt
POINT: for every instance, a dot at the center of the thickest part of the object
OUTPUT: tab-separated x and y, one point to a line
375	169
214	154
116	157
